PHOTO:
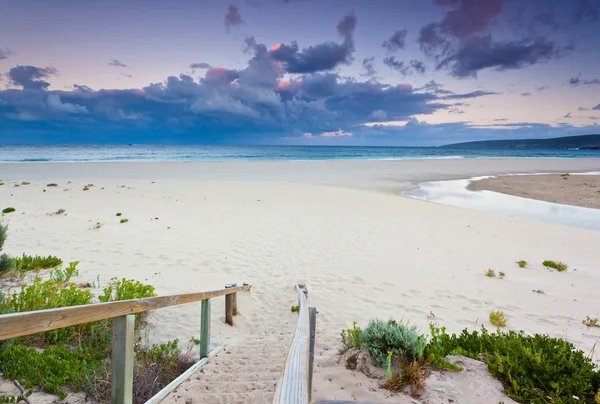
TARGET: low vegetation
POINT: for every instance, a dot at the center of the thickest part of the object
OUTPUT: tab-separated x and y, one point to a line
124	221
78	358
51	185
501	275
57	213
532	368
97	226
591	322
539	291
559	266
118	214
294	309
490	273
522	263
8	210
27	263
7	264
25	183
498	319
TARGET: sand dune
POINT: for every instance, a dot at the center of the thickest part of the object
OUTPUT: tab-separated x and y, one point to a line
363	254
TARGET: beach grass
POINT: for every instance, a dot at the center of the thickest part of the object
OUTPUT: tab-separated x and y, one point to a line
490	273
522	263
559	266
498	319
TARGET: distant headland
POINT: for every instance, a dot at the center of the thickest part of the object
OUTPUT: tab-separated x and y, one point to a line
585	142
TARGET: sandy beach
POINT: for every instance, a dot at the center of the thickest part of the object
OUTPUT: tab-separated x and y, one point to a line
577	190
342	227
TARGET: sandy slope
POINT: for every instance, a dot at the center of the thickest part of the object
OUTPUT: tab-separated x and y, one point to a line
363	254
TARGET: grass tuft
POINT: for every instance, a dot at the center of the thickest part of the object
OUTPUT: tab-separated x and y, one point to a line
8	210
501	275
123	220
294	309
52	185
539	291
490	273
58	212
118	214
559	266
591	322
522	263
25	183
498	319
413	374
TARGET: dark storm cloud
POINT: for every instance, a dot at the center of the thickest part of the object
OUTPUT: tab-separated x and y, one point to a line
481	53
5	53
116	63
29	77
396	41
233	17
369	68
461	41
321	57
414	66
587	11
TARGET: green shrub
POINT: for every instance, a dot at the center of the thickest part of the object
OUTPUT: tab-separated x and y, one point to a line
522	263
36	263
118	214
8	210
123	220
591	322
7	264
3	235
490	273
60	275
379	337
559	266
498	319
295	309
501	275
533	369
437	349
126	289
351	338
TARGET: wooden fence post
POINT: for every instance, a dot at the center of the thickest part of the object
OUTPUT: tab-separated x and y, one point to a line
234	308
312	317
122	359
205	329
229	306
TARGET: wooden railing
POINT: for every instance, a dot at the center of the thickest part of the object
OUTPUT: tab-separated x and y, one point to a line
33	322
295	386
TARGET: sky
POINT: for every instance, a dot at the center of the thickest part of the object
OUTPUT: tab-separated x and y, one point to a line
301	72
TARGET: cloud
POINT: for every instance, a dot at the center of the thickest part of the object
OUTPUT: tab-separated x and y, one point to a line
462	43
542	88
414	66
321	57
29	77
233	17
116	63
126	75
473	94
576	81
583	109
5	53
525	94
396	41
546	18
369	69
200	66
596	108
482	53
53	101
568	115
587	12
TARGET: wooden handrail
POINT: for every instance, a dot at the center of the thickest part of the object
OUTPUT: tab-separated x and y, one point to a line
294	387
32	322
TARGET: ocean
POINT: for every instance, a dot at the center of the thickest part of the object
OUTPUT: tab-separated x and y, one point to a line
115	153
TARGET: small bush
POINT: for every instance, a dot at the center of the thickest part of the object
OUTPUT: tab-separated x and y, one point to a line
119	214
123	221
591	322
498	319
8	210
25	183
351	338
559	266
490	273
532	368
126	289
379	337
522	263
195	341
295	309
60	275
36	263
501	275
52	185
97	226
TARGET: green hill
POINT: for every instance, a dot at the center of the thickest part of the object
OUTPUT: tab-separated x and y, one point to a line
588	142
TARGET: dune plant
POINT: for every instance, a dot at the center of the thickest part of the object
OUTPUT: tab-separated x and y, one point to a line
119	214
35	263
64	275
501	275
498	319
124	221
490	273
25	183
351	338
380	337
413	374
522	263
125	289
294	309
7	264
559	266
539	291
51	185
591	322
8	210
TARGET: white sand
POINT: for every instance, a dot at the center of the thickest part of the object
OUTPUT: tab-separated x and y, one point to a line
363	254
